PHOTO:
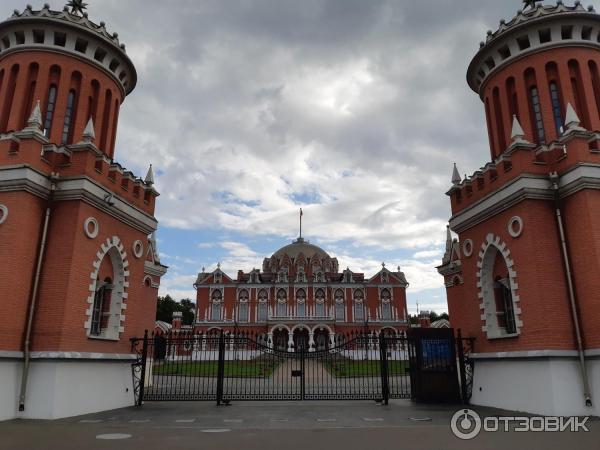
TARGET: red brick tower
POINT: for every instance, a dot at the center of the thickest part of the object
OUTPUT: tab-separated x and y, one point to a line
523	275
80	269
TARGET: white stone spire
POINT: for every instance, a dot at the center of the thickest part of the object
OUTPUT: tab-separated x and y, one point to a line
572	121
517	130
89	134
449	242
150	176
456	179
35	120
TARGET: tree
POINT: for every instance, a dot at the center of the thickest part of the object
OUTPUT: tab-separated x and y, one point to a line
167	306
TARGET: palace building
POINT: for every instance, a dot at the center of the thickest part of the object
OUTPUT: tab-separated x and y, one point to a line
301	300
80	269
522	277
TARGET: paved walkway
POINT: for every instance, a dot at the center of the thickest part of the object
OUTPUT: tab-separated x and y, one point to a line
275	425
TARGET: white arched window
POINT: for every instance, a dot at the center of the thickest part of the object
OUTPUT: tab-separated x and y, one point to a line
386	304
340	307
263	306
281	303
216	306
320	310
301	303
359	307
243	306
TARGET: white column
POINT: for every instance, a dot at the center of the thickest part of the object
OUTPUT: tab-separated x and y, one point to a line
290	342
332	340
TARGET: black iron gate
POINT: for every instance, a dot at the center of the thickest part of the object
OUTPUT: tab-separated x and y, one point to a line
223	367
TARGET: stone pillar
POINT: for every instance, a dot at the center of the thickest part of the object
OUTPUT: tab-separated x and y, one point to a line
269	342
290	342
332	340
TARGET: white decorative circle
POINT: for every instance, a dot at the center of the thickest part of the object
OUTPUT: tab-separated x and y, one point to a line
138	249
515	227
91	228
3	213
468	248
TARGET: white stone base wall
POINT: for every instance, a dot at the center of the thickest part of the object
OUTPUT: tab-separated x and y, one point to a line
545	385
65	387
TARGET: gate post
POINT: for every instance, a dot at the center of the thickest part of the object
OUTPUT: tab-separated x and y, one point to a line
140	399
221	368
383	362
461	366
303	374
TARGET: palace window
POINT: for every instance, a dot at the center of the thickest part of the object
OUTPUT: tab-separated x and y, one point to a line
340	309
359	311
281	303
301	276
263	307
101	309
320	303
282	276
243	306
386	305
50	110
319	277
216	306
301	303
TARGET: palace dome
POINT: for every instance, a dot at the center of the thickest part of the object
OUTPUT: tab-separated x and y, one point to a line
301	246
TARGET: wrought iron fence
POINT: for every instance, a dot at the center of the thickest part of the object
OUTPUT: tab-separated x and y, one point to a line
222	367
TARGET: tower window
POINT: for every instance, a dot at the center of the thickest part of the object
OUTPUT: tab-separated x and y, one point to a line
504	305
6	42
523	42
586	33
537	114
556	107
504	52
100	55
101	308
490	63
81	46
113	65
68	117
60	39
545	36
567	32
20	37
50	110
38	36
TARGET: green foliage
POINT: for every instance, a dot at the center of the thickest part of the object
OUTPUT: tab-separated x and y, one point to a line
167	306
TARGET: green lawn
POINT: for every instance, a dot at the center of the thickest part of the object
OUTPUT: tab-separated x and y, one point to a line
245	369
356	368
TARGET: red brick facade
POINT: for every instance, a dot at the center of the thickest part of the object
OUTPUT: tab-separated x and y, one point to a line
542	102
62	82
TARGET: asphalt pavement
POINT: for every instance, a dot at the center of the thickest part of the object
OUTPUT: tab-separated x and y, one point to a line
278	425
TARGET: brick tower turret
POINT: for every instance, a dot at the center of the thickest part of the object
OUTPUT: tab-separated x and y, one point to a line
522	277
80	268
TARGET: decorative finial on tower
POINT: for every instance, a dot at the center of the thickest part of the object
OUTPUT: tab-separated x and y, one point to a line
150	176
301	214
448	253
219	265
572	121
77	6
35	120
89	134
456	179
383	265
531	4
399	269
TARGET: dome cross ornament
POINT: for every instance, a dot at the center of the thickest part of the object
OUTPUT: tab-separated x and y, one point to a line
77	6
531	4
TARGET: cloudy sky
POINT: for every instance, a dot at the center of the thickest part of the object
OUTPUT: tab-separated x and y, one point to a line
353	110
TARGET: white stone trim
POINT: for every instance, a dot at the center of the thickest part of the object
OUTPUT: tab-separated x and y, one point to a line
3	213
527	354
485	290
468	247
516	220
138	249
91	233
111	248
